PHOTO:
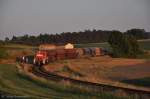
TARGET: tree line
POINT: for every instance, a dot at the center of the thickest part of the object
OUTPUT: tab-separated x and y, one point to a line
87	36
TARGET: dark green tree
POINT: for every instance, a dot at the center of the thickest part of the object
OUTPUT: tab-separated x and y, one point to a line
137	33
124	45
14	38
6	39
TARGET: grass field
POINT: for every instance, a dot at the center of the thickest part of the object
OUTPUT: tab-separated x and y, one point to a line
144	44
18	46
15	50
17	84
102	69
104	45
12	82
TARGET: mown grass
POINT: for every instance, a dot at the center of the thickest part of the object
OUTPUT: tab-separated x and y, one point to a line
13	82
104	45
19	47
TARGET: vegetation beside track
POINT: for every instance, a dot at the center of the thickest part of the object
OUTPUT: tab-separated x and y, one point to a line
13	82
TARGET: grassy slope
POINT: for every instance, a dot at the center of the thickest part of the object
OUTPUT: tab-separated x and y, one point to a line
15	83
12	82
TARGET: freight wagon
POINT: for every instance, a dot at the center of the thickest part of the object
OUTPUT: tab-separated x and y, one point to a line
94	51
46	56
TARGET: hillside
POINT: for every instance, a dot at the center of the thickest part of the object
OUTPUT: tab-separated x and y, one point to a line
20	85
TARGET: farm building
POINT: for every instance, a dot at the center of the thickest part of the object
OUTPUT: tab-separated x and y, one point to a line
69	46
47	47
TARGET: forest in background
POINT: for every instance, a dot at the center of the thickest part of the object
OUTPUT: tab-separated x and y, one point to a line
82	37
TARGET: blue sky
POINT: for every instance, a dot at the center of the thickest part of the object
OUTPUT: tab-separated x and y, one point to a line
19	17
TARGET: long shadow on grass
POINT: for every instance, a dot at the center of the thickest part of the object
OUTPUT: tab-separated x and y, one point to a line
67	90
139	82
48	86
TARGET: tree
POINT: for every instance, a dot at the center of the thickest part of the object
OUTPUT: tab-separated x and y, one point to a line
6	39
87	36
115	40
14	38
123	45
137	33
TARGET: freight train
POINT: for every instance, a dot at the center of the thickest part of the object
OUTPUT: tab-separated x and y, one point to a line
43	57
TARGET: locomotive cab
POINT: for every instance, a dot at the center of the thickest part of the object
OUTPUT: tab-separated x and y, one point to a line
40	58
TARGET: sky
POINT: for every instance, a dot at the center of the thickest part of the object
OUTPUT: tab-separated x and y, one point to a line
19	17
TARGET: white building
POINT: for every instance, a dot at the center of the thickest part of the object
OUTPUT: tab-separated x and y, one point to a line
69	46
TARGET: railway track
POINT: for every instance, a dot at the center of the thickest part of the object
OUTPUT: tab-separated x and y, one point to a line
97	87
